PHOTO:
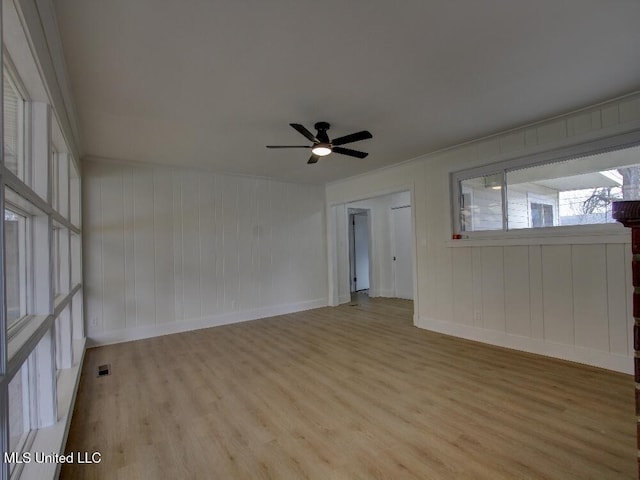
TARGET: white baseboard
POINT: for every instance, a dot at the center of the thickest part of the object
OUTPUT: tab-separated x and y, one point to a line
573	353
139	333
383	293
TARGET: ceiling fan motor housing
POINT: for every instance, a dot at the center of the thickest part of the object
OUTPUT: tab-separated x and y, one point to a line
322	128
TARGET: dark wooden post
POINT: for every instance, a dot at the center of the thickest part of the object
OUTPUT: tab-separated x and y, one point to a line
628	213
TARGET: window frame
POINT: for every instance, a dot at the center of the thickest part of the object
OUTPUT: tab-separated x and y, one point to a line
618	142
9	72
25	262
28	346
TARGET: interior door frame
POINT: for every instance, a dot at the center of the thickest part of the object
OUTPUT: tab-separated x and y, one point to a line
353	269
337	209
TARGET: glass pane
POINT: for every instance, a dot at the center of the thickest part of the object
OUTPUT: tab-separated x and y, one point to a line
18	409
481	203
74	194
12	127
15	269
55	257
574	192
55	182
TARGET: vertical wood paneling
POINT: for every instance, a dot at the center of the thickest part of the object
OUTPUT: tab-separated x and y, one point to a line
246	218
557	290
191	210
463	286
129	249
512	142
298	211
113	280
317	201
444	286
552	132
308	213
208	245
166	245
342	249
178	263
291	241
493	288
145	268
517	290
281	232
230	244
255	245
476	263
628	257
263	233
92	247
610	116
617	298
590	296
218	183
163	245
536	305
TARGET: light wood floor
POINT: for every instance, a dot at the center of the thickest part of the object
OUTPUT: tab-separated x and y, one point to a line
354	392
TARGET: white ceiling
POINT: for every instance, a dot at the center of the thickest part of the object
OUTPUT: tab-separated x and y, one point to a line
209	84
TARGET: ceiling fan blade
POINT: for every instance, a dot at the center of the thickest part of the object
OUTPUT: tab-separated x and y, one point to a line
313	159
348	151
354	137
288	146
301	129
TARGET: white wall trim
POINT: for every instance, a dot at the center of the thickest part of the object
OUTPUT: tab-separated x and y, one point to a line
589	238
194	168
596	358
407	187
139	333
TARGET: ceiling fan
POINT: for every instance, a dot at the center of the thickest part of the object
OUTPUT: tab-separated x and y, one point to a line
323	146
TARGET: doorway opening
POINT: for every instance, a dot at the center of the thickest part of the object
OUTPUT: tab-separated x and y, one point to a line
359	251
381	259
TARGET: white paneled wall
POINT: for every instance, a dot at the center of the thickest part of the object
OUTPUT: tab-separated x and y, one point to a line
565	298
168	250
564	294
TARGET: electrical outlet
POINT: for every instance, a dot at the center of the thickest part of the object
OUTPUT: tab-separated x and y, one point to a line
477	316
94	321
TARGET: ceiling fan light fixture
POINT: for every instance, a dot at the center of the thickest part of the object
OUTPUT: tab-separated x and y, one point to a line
321	150
323	145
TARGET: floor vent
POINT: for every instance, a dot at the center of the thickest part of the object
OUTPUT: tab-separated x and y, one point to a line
104	370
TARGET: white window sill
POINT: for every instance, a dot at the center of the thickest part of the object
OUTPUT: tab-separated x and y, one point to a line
573	235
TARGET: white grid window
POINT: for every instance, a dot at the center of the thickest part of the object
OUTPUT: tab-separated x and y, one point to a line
15	260
573	188
13	127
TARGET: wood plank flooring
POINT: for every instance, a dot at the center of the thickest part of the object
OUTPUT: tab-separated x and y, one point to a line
353	392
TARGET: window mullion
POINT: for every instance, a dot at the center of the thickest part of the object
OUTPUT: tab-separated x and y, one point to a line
505	209
47	400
